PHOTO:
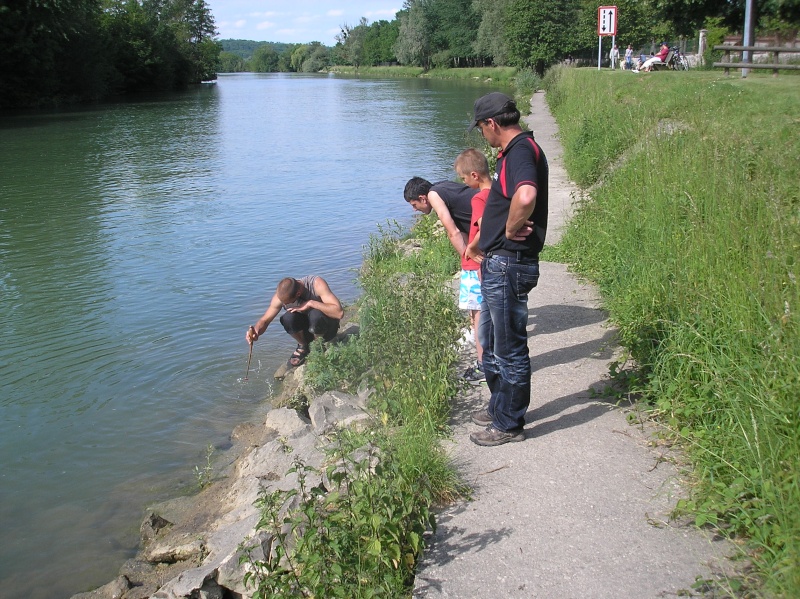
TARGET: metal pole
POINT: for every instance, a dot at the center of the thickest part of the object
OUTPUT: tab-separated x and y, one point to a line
748	35
599	50
613	43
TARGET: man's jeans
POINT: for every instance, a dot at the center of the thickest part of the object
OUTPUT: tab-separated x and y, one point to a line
502	331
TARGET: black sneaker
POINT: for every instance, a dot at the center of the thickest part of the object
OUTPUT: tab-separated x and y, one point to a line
474	375
491	436
481	418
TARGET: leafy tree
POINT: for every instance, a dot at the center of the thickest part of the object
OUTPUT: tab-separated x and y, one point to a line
379	42
351	42
231	63
454	25
317	59
413	47
285	58
265	59
540	32
65	50
688	16
37	39
490	42
310	58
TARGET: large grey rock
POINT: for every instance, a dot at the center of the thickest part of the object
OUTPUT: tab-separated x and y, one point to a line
286	422
115	589
336	409
152	525
176	548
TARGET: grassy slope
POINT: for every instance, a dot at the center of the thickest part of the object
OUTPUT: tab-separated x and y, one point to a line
693	237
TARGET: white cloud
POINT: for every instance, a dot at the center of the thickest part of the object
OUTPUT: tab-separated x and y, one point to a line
265	25
335	13
306	19
240	23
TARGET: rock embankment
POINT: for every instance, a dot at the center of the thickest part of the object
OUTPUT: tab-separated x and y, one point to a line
190	546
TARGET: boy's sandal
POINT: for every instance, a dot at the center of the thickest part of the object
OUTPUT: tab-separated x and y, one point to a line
298	357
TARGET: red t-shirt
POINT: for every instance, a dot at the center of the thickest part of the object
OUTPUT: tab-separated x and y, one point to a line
478	204
662	55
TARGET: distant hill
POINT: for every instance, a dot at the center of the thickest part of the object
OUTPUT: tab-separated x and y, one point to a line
245	48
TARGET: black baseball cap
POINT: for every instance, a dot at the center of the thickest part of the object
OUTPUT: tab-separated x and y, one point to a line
490	105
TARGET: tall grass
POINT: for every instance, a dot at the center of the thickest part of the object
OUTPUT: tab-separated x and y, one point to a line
502	76
692	231
396	71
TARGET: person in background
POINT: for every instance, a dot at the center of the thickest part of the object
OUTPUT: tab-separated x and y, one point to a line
629	57
473	169
512	234
659	58
312	310
614	57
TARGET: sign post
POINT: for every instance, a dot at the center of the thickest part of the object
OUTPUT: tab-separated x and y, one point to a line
606	25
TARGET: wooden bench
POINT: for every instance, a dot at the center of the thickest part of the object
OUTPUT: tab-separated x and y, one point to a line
775	65
663	66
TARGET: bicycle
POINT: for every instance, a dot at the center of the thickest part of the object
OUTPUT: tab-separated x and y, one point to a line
678	61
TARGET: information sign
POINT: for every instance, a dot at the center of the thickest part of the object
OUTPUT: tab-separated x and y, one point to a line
607	20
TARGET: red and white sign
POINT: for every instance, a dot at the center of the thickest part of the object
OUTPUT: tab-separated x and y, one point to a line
607	20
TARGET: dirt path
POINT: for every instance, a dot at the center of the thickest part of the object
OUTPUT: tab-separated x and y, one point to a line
580	509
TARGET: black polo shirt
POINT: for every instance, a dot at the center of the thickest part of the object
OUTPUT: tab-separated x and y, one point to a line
522	162
458	199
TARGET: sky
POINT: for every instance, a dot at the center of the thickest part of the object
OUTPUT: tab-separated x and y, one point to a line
295	21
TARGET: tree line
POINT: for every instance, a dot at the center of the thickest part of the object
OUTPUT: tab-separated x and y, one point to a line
67	50
83	50
531	34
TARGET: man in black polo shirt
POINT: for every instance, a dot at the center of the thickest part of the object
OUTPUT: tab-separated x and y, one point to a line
512	235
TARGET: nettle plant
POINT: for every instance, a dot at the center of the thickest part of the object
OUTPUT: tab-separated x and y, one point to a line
356	534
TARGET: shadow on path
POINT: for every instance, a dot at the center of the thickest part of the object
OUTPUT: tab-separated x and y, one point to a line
596	349
556	318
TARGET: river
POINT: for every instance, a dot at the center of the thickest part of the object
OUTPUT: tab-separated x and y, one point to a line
137	242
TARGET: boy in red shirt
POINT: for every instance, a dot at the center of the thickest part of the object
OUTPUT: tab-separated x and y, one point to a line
472	167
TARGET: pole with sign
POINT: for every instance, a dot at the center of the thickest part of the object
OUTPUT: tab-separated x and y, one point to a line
606	25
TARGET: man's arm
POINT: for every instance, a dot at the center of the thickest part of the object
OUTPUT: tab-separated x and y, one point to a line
261	325
457	238
330	305
522	204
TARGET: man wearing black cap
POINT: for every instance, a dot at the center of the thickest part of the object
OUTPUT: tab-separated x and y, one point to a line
512	235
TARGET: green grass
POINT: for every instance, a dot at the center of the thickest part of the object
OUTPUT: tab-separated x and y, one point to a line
692	231
397	71
503	76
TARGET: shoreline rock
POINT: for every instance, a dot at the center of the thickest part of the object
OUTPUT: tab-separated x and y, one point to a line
190	546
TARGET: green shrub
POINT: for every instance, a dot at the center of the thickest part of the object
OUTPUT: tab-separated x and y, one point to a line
359	538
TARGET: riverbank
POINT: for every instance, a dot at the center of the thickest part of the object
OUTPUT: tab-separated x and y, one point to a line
355	460
193	544
503	76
